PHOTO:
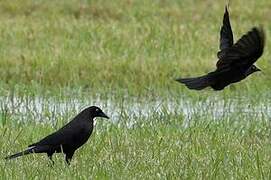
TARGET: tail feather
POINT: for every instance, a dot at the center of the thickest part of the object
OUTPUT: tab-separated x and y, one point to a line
197	83
27	151
31	149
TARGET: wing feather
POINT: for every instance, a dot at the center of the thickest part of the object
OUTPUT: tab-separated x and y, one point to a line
245	51
226	37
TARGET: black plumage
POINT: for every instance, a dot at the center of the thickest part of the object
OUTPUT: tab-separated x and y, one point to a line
235	61
67	139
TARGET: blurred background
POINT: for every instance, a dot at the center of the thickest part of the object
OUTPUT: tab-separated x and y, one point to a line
122	44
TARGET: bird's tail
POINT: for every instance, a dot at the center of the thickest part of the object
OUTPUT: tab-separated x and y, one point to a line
197	83
27	151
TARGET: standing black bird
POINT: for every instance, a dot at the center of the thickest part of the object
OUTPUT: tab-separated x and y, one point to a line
67	139
235	60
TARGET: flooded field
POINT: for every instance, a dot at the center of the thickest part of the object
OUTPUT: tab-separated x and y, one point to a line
49	109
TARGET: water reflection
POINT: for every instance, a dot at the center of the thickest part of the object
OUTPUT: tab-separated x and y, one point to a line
51	109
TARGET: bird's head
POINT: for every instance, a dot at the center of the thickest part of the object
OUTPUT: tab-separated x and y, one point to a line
96	112
252	69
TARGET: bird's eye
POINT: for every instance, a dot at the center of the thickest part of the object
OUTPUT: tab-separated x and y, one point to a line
97	110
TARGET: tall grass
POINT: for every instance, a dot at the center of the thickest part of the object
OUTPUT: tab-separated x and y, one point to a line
131	45
155	147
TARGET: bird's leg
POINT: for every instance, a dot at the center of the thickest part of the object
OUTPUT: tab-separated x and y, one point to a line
68	157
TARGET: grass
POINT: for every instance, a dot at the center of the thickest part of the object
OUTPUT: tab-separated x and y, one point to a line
131	45
159	146
58	57
211	138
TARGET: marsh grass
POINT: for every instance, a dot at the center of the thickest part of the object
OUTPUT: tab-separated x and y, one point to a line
153	148
209	140
130	45
59	57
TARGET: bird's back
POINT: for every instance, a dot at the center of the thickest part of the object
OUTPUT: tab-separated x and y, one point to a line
72	135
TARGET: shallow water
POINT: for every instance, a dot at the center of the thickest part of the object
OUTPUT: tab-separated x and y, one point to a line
44	109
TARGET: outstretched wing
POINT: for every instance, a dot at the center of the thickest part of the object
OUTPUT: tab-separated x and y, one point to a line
245	51
226	37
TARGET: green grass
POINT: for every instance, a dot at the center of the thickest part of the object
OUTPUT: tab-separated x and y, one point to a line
123	44
218	139
58	57
159	146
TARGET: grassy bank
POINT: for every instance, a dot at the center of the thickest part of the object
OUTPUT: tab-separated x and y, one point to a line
130	45
176	138
155	147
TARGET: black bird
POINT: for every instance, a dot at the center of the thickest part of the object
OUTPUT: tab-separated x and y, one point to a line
235	60
67	139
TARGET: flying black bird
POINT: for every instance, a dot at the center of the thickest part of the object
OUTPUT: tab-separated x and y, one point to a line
235	61
67	139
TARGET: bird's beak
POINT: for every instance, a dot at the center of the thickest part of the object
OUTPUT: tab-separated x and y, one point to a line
258	69
103	115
